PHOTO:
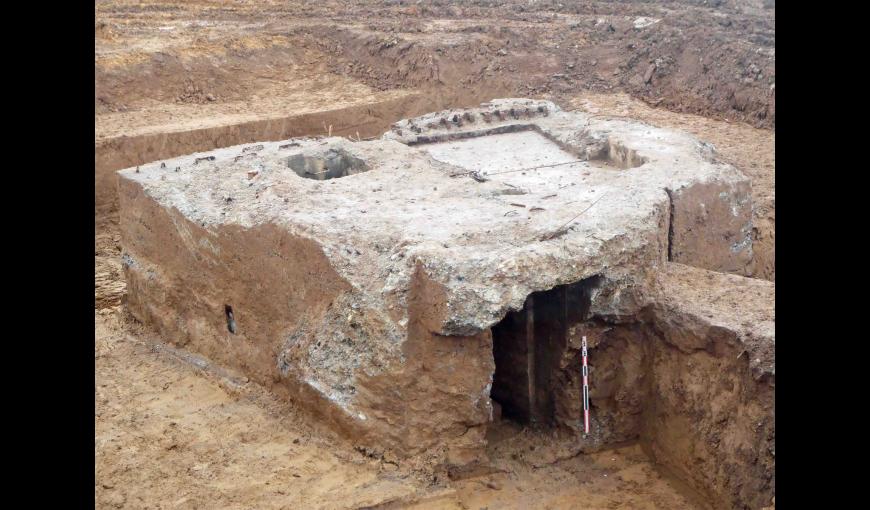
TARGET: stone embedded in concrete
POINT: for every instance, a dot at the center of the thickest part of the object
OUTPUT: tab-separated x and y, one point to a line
371	295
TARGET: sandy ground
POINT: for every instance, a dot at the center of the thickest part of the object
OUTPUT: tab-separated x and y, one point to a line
305	89
171	434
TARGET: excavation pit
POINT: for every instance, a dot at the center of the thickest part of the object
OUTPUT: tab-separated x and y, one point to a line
396	305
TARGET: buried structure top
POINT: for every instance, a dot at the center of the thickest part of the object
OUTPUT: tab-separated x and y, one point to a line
364	278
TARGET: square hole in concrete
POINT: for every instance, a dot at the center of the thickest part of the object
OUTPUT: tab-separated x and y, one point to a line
329	164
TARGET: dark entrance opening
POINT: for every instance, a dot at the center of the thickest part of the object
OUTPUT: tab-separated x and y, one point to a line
528	345
331	164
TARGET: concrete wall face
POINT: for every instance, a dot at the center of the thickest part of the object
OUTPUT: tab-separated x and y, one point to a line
182	278
712	226
395	297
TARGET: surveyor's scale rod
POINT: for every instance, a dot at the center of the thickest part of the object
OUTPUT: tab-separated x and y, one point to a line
585	387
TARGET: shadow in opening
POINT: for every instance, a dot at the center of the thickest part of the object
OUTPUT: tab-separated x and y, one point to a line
526	347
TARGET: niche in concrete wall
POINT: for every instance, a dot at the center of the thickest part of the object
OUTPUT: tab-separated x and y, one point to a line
526	346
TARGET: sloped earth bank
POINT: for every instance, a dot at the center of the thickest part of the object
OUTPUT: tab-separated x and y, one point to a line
716	58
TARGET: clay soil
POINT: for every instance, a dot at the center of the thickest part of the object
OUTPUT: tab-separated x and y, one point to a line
173	431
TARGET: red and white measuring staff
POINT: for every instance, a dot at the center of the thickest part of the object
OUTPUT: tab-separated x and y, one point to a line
585	386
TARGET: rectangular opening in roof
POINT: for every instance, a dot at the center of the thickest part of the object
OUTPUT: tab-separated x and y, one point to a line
500	152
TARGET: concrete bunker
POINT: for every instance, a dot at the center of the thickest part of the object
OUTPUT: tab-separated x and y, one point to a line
397	306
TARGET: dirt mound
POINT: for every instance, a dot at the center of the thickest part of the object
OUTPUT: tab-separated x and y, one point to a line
197	72
715	60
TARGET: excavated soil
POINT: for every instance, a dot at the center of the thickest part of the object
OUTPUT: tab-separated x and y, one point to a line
171	79
714	58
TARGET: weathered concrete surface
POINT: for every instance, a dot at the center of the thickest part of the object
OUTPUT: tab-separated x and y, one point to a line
371	296
113	152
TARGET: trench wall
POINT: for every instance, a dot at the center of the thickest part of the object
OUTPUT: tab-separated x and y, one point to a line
685	389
